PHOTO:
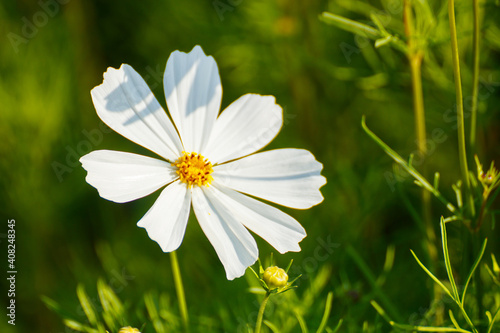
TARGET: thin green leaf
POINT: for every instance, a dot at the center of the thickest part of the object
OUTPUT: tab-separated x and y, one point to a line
74	325
271	326
374	17
436	180
476	264
337	328
384	315
86	305
447	262
151	306
257	291
431	275
326	314
54	306
261	269
492	323
255	273
113	303
302	323
490	272
458	193
351	25
295	279
383	41
412	171
453	320
109	320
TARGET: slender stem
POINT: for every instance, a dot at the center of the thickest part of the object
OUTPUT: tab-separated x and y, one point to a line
466	317
415	56
479	290
179	288
258	325
475	73
481	215
460	106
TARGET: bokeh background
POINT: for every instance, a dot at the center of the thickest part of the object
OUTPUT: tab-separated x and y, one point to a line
53	52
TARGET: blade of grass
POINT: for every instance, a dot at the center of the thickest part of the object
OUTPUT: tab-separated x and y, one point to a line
302	323
326	314
86	305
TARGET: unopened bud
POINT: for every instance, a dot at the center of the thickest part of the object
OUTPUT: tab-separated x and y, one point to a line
128	329
275	277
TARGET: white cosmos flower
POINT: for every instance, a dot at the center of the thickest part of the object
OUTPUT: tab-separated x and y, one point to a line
205	163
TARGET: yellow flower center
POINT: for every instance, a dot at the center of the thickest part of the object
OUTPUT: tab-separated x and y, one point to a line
194	169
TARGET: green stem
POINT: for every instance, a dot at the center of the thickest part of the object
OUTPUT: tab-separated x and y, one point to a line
475	73
258	325
467	319
479	292
481	215
179	288
460	106
415	56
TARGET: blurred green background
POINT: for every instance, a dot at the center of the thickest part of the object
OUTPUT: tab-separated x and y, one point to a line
53	52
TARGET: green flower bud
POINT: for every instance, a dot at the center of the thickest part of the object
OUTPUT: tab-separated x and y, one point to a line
275	277
128	329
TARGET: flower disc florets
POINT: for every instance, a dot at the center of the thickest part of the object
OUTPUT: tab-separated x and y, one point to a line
194	169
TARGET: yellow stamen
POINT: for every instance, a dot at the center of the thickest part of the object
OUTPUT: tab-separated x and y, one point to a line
194	169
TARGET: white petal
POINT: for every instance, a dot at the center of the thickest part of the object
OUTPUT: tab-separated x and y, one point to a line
233	243
280	230
244	127
126	104
123	177
193	92
289	177
166	221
